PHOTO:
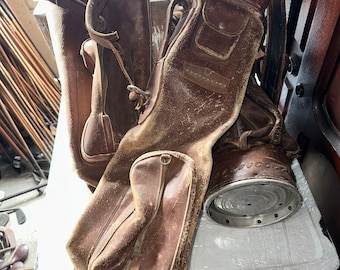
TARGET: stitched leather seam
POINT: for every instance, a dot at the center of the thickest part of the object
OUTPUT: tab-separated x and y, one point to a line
206	78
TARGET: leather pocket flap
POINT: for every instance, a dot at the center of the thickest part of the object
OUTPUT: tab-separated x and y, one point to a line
221	27
225	18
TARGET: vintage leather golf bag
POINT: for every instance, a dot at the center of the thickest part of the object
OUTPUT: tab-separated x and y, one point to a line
99	111
144	210
152	169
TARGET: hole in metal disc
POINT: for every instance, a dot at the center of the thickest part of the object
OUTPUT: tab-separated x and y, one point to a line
259	221
227	221
289	207
249	204
276	215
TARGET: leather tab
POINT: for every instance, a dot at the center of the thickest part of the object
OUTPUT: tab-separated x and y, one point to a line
214	15
88	52
206	78
97	141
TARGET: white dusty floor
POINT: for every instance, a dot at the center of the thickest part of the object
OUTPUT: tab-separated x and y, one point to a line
66	197
30	203
51	215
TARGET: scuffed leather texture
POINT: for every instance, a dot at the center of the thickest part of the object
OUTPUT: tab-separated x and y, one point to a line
228	29
258	138
161	183
185	116
130	22
75	81
112	114
98	108
259	122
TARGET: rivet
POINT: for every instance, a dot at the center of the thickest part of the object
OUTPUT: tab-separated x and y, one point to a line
221	25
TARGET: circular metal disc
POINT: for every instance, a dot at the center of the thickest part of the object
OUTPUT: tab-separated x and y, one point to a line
253	203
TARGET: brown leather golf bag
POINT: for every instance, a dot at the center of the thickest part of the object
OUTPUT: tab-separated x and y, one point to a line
152	178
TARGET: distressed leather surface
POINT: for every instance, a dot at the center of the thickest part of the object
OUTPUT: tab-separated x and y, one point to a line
99	112
154	204
75	81
112	113
259	122
197	90
257	146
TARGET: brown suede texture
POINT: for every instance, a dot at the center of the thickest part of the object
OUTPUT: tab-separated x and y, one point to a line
197	89
75	81
99	112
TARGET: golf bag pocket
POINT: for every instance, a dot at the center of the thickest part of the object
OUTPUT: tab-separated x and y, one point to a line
222	22
160	189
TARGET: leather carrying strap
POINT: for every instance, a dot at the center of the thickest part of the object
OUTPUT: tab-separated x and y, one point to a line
112	114
110	41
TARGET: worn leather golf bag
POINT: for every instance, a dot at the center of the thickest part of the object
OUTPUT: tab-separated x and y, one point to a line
145	208
98	109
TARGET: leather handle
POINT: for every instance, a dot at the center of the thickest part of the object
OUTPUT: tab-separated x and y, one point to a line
107	40
92	15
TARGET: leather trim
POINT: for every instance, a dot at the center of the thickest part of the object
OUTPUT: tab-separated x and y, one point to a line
218	26
206	78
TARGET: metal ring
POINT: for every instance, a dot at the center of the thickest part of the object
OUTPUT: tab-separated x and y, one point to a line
133	88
